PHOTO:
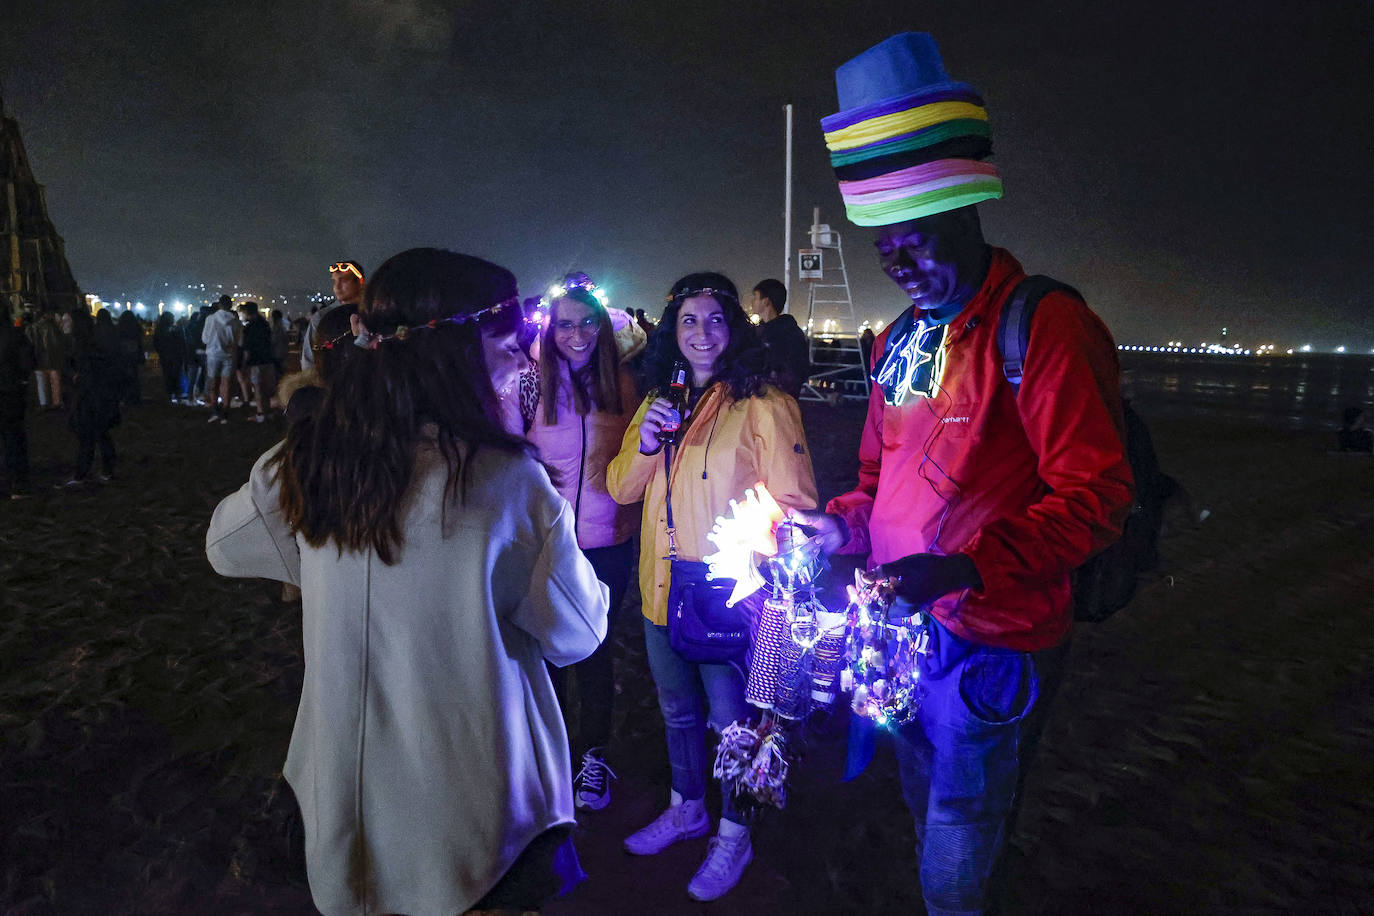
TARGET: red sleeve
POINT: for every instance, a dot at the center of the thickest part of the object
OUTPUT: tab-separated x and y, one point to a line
1070	406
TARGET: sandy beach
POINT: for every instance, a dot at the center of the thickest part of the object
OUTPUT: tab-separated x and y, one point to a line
1211	751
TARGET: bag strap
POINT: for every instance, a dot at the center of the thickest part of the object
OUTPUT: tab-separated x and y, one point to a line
1014	324
668	501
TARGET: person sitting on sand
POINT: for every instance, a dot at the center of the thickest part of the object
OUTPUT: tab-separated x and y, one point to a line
439	570
1357	432
978	497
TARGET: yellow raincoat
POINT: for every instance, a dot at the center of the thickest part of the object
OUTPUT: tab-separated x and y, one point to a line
728	447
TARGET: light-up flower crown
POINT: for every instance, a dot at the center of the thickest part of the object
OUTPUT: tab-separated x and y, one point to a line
403	331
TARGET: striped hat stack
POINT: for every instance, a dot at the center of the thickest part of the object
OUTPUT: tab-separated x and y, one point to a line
908	141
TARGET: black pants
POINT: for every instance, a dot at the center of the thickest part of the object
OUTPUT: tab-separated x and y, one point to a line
171	377
16	440
88	436
596	674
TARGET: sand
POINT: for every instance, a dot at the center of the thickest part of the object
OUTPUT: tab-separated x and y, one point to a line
1212	749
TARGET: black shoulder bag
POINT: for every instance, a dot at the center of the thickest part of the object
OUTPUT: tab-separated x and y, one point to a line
701	627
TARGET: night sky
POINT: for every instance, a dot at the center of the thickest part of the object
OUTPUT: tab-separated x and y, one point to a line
1186	165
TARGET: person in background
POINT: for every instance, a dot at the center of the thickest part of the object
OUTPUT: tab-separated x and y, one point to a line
866	338
131	357
788	353
586	397
170	345
346	277
52	350
259	367
281	341
976	498
739	430
1357	431
16	362
643	321
440	571
196	367
221	335
99	383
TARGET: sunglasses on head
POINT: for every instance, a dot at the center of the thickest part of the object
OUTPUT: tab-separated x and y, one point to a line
343	266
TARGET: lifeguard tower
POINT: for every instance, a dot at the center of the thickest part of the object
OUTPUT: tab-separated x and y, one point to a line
838	371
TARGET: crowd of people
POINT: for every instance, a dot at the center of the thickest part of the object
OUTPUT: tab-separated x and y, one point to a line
221	356
457	492
458	489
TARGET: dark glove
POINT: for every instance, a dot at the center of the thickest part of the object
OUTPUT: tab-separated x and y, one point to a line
924	577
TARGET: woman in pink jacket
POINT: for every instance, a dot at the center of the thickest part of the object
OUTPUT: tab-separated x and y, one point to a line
586	399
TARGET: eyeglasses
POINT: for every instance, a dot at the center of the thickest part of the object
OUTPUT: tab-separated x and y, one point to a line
344	266
590	323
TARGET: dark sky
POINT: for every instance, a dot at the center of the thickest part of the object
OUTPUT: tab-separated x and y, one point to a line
1185	164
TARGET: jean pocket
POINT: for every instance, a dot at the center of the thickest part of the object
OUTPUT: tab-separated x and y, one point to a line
998	687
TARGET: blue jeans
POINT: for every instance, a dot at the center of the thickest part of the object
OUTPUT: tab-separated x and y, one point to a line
963	760
681	687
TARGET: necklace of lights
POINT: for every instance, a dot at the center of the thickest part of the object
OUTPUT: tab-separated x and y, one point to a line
914	364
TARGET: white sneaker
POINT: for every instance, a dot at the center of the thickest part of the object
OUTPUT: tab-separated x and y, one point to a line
214	418
726	859
591	785
679	822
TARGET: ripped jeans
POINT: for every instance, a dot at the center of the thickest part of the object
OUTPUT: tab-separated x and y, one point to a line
682	686
963	760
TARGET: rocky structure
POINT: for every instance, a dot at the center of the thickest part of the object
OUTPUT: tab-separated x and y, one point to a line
33	263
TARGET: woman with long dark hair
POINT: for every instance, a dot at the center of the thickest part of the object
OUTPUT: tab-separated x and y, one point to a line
586	399
738	431
439	570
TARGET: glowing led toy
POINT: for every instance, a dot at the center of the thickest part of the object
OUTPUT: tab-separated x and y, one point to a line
886	638
750	529
539	310
798	646
914	365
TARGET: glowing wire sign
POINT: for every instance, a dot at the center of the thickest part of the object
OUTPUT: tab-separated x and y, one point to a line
914	364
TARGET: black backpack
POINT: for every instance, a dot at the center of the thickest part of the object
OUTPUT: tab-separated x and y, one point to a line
1108	580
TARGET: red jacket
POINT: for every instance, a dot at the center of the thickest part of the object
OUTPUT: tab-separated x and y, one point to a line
1029	486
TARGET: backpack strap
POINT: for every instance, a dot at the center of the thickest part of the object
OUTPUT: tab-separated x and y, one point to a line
1014	325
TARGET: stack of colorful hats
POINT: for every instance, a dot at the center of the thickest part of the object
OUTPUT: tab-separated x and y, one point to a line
908	141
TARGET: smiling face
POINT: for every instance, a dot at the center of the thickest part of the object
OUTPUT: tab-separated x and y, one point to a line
575	328
348	289
702	335
504	358
939	261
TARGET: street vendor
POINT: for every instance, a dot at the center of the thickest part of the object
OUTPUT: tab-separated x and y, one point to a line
979	498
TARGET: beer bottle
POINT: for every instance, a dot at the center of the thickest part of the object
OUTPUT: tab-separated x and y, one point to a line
677	395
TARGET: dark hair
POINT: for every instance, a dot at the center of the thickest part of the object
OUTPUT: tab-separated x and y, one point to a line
356	266
103	317
333	341
344	474
742	362
597	385
165	322
774	292
250	307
